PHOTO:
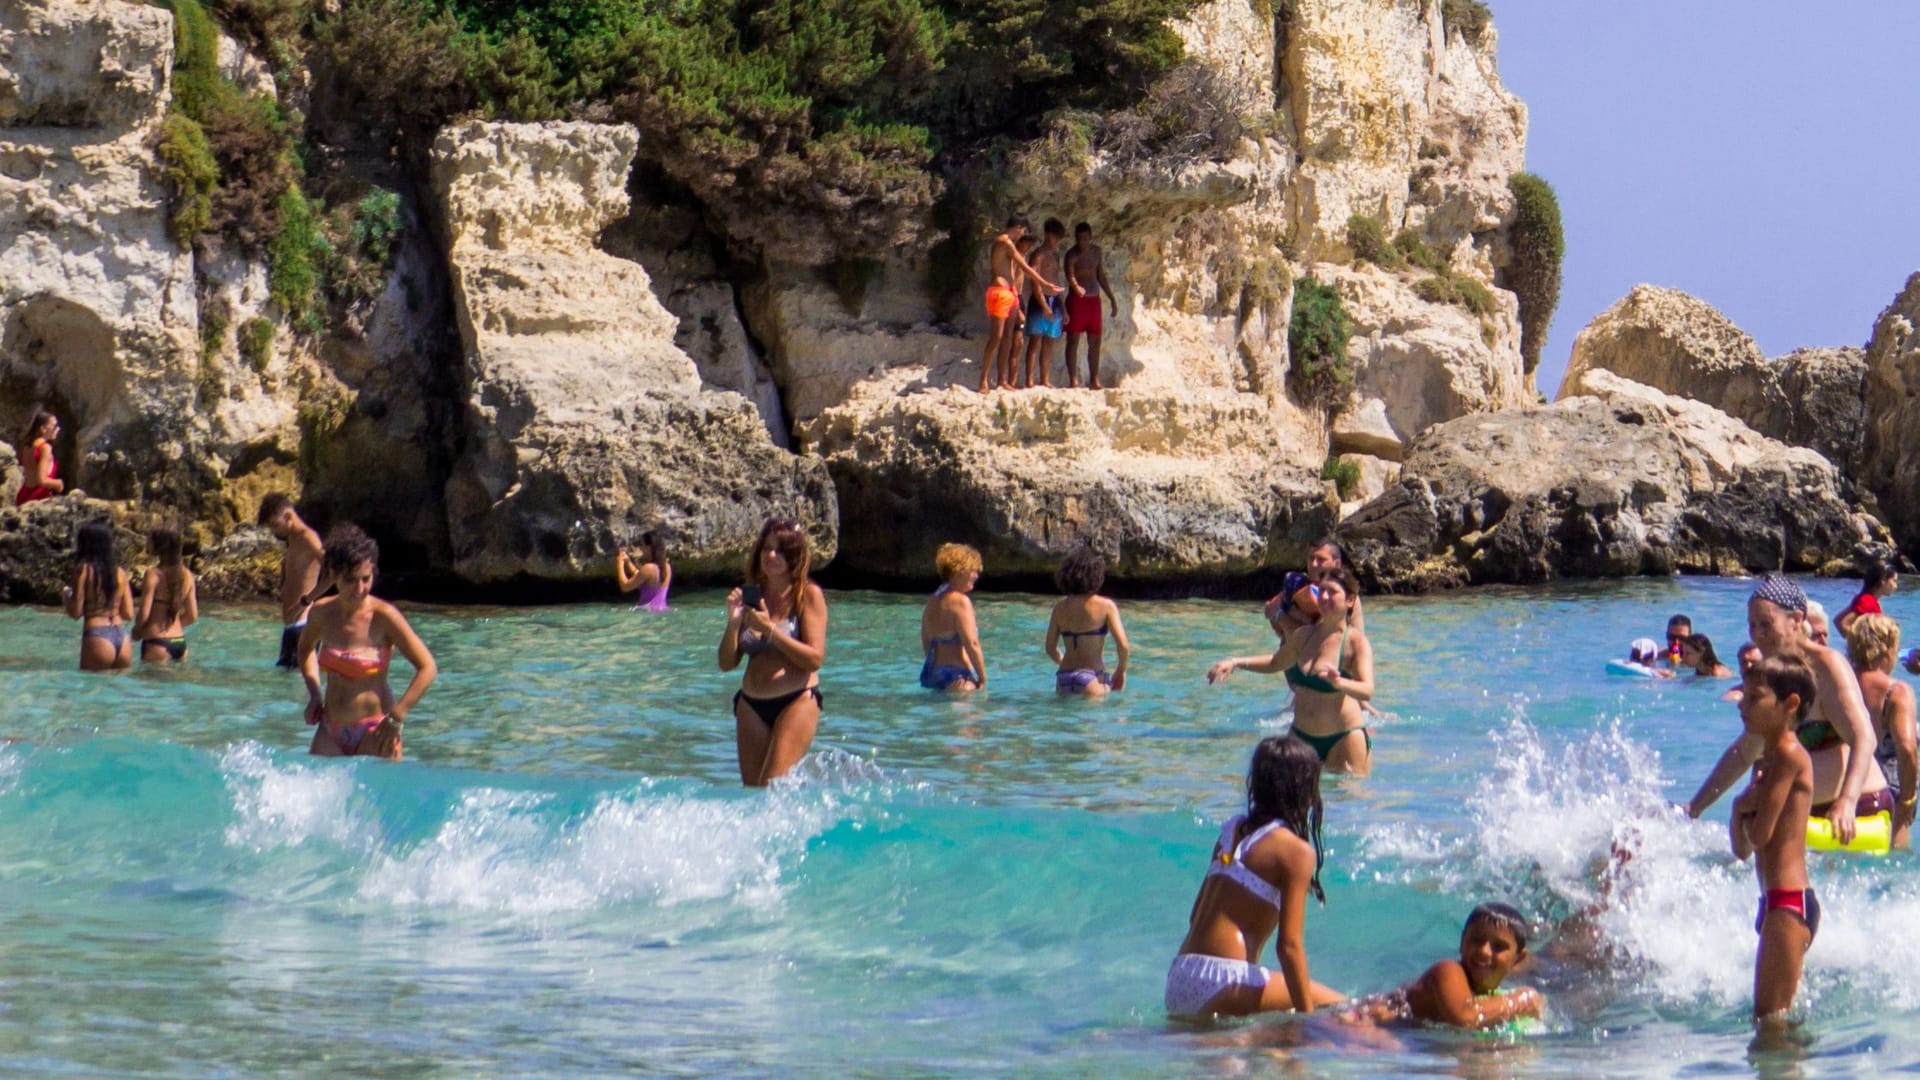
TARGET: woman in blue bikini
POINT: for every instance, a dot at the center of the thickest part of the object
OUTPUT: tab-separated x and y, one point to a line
100	599
948	634
1331	672
778	625
1078	629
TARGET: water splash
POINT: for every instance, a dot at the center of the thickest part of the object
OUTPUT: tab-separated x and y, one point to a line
276	805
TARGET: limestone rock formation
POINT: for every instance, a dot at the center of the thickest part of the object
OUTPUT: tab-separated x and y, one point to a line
1165	487
1619	479
36	545
584	422
1890	459
1674	342
96	303
1417	363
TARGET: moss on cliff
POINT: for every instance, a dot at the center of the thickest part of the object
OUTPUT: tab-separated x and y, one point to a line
1317	340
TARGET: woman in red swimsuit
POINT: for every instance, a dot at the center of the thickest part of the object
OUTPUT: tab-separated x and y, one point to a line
1881	580
351	637
43	473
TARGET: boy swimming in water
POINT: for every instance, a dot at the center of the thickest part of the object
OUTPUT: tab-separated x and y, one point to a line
1770	823
1465	993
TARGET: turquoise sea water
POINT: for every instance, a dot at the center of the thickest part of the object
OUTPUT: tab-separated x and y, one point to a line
565	879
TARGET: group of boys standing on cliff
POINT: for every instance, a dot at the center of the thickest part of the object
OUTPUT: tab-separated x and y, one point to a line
1040	292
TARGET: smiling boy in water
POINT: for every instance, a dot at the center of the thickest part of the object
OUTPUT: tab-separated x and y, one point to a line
1770	823
1465	993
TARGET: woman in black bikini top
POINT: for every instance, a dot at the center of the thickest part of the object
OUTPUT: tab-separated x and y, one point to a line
782	636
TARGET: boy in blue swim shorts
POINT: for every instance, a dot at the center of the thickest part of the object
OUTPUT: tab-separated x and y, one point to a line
1045	314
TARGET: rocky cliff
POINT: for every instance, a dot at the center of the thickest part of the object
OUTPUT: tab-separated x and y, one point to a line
1889	464
1666	339
552	349
585	423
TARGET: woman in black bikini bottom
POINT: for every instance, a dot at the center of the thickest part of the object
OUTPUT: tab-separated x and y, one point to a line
777	623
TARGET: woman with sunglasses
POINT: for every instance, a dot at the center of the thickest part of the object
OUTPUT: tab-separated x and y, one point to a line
777	623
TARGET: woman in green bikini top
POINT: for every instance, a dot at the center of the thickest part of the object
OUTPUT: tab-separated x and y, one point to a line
1331	673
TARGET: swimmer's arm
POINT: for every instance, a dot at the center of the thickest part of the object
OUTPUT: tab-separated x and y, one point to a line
625	572
1856	727
808	649
1100	272
398	631
1122	650
970	640
1360	687
310	669
1738	839
730	637
1291	941
149	584
122	596
1738	758
1441	995
1053	638
1027	269
74	597
1358	621
1906	748
190	611
1768	801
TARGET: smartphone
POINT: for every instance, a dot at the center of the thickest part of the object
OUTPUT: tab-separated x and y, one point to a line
750	596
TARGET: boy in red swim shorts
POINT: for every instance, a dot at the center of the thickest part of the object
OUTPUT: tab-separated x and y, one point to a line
1086	271
1770	822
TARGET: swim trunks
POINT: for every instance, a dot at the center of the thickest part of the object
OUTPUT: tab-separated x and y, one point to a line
290	641
1083	314
1799	901
1001	301
1044	318
1869	804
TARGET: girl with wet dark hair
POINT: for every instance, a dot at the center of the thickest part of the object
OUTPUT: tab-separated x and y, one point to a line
1880	582
99	597
648	575
777	623
1078	629
1696	652
351	636
1265	865
169	601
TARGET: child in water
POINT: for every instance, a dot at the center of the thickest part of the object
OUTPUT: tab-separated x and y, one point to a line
1465	993
1770	823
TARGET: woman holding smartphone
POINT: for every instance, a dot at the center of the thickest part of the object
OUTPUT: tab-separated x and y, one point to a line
777	622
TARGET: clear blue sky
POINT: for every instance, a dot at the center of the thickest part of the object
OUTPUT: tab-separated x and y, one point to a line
1761	155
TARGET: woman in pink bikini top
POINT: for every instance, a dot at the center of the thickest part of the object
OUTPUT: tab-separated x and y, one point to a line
351	638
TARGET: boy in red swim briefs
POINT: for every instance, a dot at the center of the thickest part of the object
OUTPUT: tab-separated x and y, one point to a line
1086	273
1770	823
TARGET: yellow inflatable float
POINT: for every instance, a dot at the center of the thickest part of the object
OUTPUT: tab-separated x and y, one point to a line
1871	835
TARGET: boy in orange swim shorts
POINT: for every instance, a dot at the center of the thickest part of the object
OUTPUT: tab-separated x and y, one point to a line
1003	298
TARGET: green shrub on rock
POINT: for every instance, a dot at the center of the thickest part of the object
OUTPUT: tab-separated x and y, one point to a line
190	174
294	260
1317	339
1344	474
1468	18
1539	246
1368	239
256	342
1415	251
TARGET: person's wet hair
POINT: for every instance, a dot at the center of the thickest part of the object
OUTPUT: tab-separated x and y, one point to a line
1784	675
1283	784
164	543
655	547
790	540
1081	573
93	548
271	505
1053	227
1705	644
1876	576
40	420
1082	229
1343	577
347	547
1679	621
1018	221
1503	915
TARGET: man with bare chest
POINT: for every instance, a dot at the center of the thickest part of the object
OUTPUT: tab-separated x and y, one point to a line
1086	271
1003	299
